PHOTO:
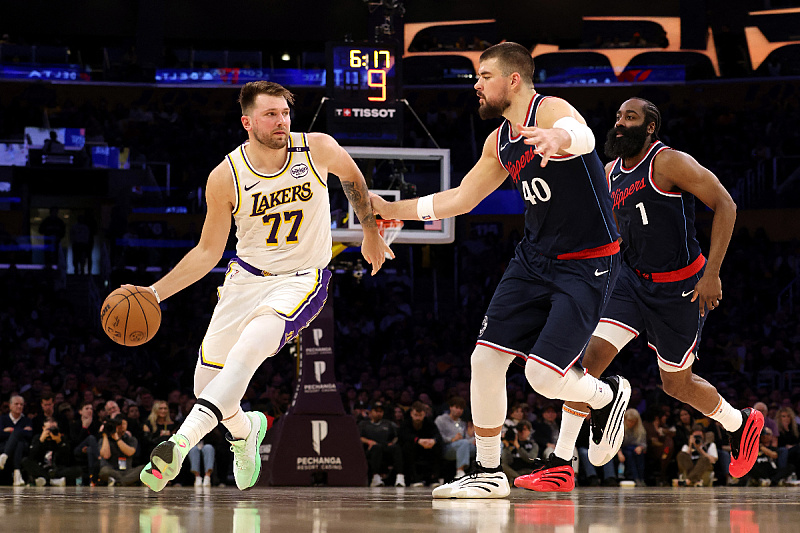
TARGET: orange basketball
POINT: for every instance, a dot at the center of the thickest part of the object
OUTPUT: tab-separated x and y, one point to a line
130	315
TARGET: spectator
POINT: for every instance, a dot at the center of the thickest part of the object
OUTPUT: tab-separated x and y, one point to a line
47	410
768	422
660	447
52	145
766	472
788	438
379	437
84	434
696	459
515	415
205	452
117	448
683	429
50	459
159	427
421	444
16	431
53	229
634	446
514	458
458	444
545	431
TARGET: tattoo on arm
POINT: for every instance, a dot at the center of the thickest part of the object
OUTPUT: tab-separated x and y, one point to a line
358	196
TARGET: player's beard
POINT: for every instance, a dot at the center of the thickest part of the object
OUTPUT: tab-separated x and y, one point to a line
488	110
273	143
631	143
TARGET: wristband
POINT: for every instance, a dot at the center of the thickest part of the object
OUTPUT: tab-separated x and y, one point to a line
155	292
425	208
582	137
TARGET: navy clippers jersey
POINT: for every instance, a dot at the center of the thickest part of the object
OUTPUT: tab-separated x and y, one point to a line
567	205
657	226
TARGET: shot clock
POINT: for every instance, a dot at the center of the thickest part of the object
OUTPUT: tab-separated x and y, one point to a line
364	82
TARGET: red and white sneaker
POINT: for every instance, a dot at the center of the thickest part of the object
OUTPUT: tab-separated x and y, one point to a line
744	442
551	475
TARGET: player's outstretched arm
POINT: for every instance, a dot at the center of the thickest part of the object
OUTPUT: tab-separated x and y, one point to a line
327	152
485	177
220	198
560	130
678	169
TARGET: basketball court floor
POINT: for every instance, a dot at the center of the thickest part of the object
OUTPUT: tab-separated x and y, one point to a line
366	510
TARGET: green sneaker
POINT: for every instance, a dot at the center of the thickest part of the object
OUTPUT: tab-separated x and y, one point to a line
246	456
165	462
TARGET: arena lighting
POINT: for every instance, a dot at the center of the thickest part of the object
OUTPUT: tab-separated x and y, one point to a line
285	57
757	44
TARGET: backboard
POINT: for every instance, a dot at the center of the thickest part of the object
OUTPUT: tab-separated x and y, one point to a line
395	174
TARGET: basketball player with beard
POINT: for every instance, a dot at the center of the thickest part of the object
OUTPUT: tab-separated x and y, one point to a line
275	186
665	288
551	296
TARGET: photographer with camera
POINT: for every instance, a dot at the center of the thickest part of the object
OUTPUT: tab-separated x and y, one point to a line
49	459
696	459
117	448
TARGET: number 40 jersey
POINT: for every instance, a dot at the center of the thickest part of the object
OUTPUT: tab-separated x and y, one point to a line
567	203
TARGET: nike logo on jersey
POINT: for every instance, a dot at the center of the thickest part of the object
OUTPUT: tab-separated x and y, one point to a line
503	146
246	188
598	273
685	294
615	176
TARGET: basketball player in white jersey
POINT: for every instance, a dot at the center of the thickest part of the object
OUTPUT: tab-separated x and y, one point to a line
275	186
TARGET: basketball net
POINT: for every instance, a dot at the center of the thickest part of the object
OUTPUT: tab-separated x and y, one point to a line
389	230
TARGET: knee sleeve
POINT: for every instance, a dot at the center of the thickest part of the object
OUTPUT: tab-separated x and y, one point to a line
488	386
544	380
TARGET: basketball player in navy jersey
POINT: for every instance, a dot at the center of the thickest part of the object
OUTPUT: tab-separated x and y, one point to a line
552	293
275	187
665	288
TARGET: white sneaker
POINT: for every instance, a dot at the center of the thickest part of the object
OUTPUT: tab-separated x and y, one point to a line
18	481
246	452
376	481
40	482
206	480
59	482
606	428
400	480
418	484
460	473
112	482
3	459
198	481
482	483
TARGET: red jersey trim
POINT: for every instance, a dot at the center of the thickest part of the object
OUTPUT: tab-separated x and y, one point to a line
601	251
676	275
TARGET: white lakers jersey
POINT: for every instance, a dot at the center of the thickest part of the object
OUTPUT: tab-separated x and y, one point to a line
283	220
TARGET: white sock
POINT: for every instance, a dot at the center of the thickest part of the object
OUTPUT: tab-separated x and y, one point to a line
199	422
571	422
488	454
238	425
724	413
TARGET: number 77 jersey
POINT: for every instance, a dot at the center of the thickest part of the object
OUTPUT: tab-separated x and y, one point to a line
657	226
283	220
567	205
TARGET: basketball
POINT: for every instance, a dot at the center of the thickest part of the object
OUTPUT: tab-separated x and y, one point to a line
130	315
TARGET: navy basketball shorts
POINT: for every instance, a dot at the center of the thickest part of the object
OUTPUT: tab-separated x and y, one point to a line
664	311
546	309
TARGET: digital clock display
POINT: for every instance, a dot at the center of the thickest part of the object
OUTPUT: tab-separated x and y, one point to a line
362	73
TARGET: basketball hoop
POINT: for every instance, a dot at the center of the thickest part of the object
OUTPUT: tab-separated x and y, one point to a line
389	230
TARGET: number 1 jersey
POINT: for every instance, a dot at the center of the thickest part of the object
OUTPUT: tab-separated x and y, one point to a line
657	226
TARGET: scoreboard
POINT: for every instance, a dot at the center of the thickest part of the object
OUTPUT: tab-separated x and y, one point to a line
364	84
